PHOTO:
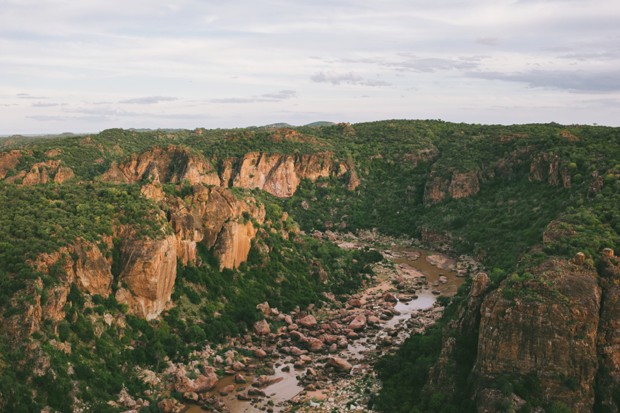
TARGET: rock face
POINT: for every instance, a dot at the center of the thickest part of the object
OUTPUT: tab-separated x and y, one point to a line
233	244
464	185
442	185
173	164
541	334
149	268
280	175
81	263
44	172
609	334
460	185
466	322
554	325
220	220
547	167
8	161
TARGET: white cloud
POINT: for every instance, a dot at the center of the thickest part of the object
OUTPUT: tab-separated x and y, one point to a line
243	62
345	78
149	100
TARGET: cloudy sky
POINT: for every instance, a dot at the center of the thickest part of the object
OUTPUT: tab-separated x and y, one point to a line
84	66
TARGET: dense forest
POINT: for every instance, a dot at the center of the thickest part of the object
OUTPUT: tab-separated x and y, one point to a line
515	197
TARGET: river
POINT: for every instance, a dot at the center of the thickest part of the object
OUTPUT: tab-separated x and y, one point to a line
414	277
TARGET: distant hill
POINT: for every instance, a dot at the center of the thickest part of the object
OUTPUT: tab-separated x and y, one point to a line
278	125
319	124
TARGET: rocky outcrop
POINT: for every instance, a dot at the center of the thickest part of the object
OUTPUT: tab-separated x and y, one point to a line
280	174
427	154
233	244
554	325
149	269
8	162
82	263
173	164
43	173
216	217
211	215
466	322
608	379
436	190
543	325
273	173
460	185
547	167
464	185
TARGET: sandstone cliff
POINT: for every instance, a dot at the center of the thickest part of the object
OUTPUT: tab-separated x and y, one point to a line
441	376
608	379
280	174
149	269
8	161
173	164
554	325
548	167
459	185
547	329
216	217
443	185
81	263
44	172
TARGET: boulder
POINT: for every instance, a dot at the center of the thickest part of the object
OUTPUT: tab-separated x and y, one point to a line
308	321
340	364
262	328
358	323
314	344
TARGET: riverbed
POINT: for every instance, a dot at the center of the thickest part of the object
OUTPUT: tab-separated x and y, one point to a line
402	300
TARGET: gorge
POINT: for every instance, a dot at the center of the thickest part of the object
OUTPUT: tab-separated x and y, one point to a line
132	264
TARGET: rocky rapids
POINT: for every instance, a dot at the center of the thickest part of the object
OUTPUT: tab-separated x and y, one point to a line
320	359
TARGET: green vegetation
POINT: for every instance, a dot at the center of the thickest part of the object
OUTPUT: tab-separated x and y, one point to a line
560	181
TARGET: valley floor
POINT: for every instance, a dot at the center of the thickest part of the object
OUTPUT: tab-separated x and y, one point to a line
322	359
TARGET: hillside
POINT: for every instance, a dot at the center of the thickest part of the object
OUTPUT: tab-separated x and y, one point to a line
124	250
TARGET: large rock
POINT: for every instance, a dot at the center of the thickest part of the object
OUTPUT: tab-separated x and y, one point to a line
173	164
149	269
8	161
340	364
218	219
546	326
314	344
82	263
280	174
201	384
358	323
308	321
51	170
458	185
262	328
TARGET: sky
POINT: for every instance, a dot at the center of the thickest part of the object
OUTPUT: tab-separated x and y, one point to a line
68	66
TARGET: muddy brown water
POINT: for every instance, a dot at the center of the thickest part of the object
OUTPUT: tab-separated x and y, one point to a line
411	260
